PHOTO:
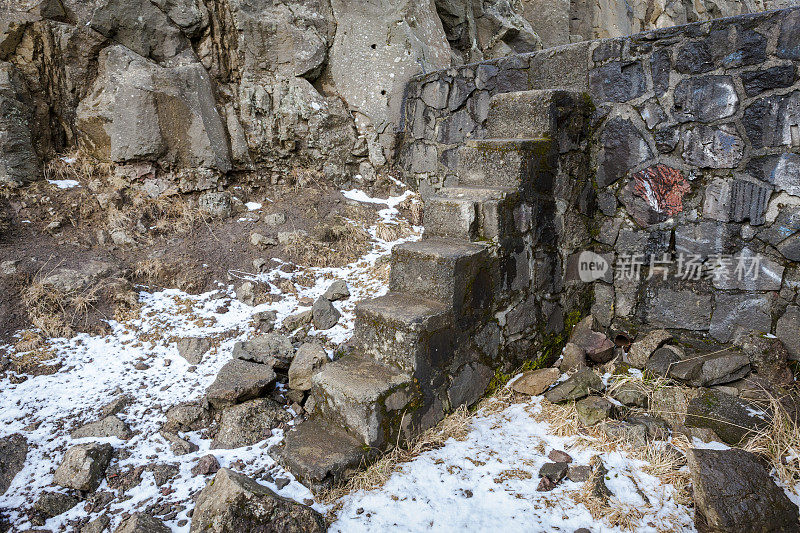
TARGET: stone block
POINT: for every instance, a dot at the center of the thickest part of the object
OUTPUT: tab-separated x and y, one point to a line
680	309
732	311
731	418
713	146
617	82
773	121
747	271
452	271
705	99
749	201
405	330
355	392
759	81
788	331
505	162
622	147
789	37
469	384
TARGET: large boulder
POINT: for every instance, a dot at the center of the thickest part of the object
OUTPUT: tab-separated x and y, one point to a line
233	502
84	466
271	349
141	111
382	44
733	491
142	523
248	423
731	418
110	426
13	451
309	359
238	381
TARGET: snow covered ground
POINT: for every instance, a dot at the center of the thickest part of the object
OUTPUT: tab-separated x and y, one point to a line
487	481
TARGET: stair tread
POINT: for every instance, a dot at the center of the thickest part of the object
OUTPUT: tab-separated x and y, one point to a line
402	307
473	193
441	248
319	453
360	378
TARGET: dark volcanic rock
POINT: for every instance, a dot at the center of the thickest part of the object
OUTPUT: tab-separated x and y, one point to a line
731	418
13	451
238	381
578	386
733	491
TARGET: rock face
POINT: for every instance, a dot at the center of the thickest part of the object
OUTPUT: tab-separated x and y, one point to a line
84	466
19	162
233	502
733	491
13	450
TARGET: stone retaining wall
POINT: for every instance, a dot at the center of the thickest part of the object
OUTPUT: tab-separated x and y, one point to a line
695	149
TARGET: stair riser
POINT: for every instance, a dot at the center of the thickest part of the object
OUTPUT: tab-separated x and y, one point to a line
498	165
373	423
475	221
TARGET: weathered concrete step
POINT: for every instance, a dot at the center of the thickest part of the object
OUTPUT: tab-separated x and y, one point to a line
365	396
404	330
450	270
320	454
471	213
530	114
517	163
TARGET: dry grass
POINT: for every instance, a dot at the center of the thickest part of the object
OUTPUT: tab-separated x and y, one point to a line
337	245
83	168
390	232
780	444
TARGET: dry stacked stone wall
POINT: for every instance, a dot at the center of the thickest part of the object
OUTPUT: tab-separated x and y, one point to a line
695	160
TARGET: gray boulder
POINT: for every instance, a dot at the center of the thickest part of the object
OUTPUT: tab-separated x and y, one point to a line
142	523
76	279
711	369
233	502
216	204
572	358
248	423
662	361
786	330
593	409
110	426
731	418
578	386
178	445
324	315
238	381
188	416
309	359
768	358
193	349
733	491
84	466
271	349
536	382
13	451
98	525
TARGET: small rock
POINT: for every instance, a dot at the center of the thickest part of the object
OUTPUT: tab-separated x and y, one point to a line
578	386
555	472
188	416
309	359
110	426
655	427
559	456
52	504
324	314
9	268
275	219
206	465
248	423
281	482
536	382
597	346
711	369
98	525
246	293
593	409
641	350
662	361
579	473
193	349
630	394
598	480
233	502
572	358
337	291
262	241
163	473
731	418
178	445
84	466
299	320
733	491
142	523
238	381
272	349
260	264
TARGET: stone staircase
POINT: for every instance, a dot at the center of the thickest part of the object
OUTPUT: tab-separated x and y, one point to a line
423	349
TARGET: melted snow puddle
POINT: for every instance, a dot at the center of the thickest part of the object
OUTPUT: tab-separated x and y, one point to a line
488	482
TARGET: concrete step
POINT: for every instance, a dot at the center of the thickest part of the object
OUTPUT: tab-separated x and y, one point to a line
516	163
404	330
364	396
320	454
471	213
530	114
453	271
